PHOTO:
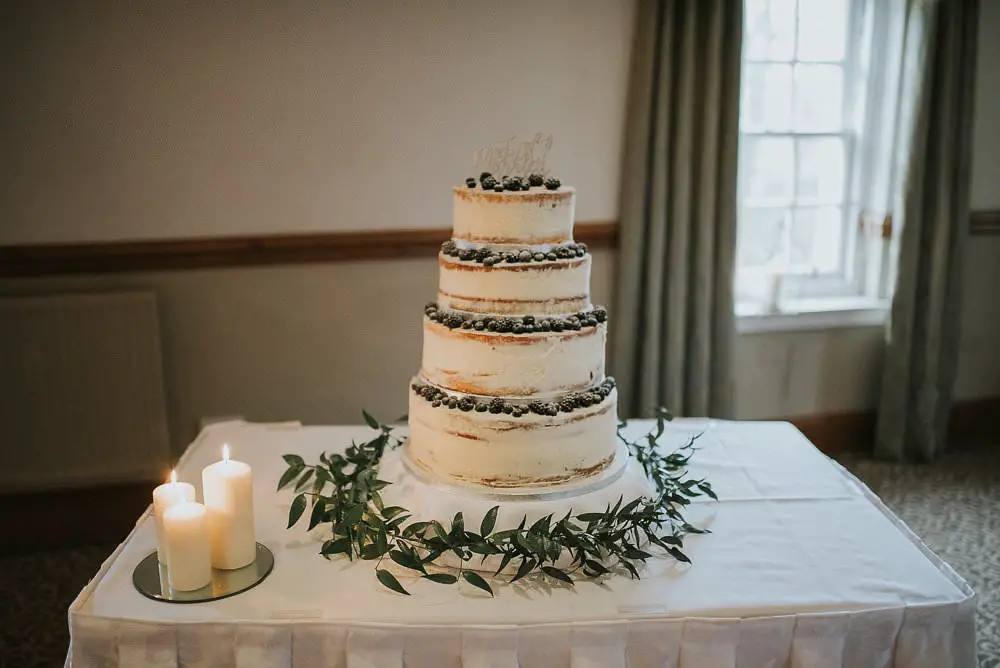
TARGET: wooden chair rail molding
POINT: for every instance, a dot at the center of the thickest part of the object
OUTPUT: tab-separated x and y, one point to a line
217	252
246	251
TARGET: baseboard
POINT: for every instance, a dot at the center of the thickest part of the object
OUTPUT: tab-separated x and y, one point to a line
854	431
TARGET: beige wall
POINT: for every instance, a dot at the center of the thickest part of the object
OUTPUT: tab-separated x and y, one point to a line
162	119
161	122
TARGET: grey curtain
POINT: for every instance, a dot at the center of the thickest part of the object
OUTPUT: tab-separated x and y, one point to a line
923	331
673	312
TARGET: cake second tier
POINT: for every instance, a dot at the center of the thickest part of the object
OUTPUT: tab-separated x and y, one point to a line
548	279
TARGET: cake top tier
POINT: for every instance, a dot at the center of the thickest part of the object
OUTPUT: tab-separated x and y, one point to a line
536	215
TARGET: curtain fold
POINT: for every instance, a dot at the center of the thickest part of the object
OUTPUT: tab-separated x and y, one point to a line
673	333
921	356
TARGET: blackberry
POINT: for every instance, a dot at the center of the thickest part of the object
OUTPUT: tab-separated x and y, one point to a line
482	407
600	315
562	252
558	325
479	325
454	321
551	257
485	175
508	409
482	254
545	326
488	182
535	180
496	405
589	322
466	254
552	183
566	405
490	260
580	252
551	409
470	182
466	324
510	257
447	247
528	320
538	257
436	404
498	188
505	325
491	326
452	402
518	328
467	404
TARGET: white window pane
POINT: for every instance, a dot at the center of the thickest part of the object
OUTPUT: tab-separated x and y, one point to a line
762	237
769	33
767	98
822	29
820	171
817	240
818	98
767	168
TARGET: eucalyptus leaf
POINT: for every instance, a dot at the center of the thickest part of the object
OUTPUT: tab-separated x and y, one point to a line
316	516
441	578
294	461
288	476
558	574
389	580
372	422
297	508
476	580
489	521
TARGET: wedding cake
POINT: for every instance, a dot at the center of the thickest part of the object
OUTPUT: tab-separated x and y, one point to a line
512	393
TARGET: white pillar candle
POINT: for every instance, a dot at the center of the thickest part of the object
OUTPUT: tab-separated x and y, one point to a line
189	559
165	496
228	490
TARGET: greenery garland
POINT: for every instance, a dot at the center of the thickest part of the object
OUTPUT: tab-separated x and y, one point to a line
343	490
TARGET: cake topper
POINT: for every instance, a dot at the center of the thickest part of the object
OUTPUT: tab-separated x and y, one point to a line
517	158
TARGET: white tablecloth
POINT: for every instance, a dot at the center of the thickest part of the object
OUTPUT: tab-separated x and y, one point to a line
804	568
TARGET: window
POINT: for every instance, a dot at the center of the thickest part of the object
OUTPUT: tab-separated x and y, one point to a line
802	114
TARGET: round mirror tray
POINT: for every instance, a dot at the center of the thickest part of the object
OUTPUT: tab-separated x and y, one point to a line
150	579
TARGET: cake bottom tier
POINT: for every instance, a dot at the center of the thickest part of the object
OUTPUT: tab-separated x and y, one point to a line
504	451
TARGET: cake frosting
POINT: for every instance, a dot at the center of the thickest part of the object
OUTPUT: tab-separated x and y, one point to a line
512	392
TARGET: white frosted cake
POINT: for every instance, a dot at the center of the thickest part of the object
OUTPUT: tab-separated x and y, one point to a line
511	391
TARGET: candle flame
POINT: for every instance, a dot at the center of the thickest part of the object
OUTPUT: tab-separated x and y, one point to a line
173	477
225	453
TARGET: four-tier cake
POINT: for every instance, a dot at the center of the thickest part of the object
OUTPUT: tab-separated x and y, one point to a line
512	393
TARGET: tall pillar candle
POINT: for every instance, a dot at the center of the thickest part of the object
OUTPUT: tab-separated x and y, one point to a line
165	496
186	541
228	490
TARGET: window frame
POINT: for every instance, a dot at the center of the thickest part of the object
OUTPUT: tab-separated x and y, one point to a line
854	278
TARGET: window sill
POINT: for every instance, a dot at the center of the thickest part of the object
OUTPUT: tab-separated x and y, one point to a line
812	314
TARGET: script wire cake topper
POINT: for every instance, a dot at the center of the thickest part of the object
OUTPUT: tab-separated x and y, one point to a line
513	157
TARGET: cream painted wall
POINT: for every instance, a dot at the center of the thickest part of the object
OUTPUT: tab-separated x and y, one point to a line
167	119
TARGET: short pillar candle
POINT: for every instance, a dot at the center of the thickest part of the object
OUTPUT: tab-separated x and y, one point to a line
228	490
189	561
164	497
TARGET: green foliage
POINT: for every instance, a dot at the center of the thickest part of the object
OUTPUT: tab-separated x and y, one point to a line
344	492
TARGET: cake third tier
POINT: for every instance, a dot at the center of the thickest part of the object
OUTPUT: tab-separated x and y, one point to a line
513	356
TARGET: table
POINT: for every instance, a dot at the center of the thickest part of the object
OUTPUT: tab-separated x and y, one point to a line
804	568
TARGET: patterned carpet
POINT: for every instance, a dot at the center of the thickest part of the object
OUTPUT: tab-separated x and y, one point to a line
954	505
